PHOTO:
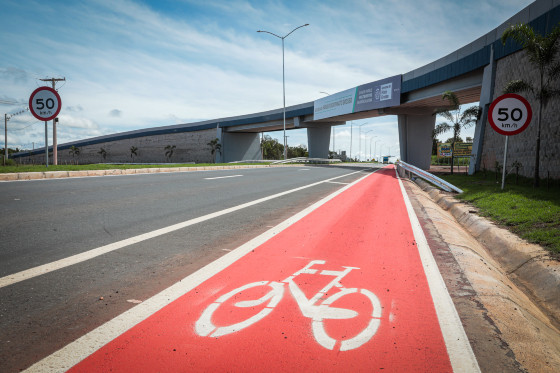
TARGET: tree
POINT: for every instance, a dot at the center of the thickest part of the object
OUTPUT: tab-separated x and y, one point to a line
103	153
458	139
215	146
297	151
271	148
75	151
133	152
457	119
438	130
169	152
542	52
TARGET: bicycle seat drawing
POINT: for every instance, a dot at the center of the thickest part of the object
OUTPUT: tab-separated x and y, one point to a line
314	308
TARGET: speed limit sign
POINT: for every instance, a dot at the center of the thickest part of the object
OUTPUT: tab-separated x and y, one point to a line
45	103
510	114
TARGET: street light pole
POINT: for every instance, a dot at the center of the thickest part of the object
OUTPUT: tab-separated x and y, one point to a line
375	148
360	141
332	128
351	133
284	80
365	142
370	140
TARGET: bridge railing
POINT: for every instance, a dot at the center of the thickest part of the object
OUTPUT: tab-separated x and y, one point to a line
306	160
440	183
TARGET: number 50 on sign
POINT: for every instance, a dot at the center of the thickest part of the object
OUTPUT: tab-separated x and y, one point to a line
510	114
45	103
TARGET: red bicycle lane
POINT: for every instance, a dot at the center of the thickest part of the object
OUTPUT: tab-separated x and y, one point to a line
341	289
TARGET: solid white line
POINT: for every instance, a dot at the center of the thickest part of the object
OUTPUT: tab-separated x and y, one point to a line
457	343
78	258
221	177
73	353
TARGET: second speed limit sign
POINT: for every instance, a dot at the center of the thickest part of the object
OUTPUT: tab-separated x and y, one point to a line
45	103
510	114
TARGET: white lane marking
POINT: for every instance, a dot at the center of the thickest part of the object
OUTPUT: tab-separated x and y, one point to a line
68	356
221	177
303	169
78	258
337	182
457	343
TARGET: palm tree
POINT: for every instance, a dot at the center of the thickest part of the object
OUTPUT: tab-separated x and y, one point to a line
457	119
542	52
103	153
133	152
75	151
169	152
215	146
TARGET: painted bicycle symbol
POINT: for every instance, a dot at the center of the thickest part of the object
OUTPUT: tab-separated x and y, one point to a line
314	308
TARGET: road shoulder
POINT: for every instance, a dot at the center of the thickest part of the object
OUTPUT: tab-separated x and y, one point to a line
507	331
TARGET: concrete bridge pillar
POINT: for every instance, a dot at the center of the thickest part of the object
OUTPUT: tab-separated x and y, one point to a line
239	147
415	138
318	141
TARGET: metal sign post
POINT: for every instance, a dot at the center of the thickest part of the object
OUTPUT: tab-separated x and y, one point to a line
509	115
505	162
46	145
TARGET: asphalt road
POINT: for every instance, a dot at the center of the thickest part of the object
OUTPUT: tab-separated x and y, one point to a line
48	220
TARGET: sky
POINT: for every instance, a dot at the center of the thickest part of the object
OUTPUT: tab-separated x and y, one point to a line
135	64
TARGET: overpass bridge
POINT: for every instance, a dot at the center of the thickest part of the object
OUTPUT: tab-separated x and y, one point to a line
470	72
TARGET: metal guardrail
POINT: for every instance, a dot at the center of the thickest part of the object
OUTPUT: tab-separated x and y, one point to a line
307	160
429	177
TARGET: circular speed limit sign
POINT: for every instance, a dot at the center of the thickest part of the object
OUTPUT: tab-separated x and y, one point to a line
45	103
510	114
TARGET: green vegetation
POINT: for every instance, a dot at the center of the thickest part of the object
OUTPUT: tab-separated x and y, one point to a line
272	149
42	168
542	53
457	161
531	213
457	119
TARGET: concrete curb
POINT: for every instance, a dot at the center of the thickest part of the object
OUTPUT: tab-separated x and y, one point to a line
527	263
130	171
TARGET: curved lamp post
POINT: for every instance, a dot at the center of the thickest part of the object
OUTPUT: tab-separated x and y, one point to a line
283	79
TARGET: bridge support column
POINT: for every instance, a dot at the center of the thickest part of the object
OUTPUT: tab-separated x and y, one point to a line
318	140
415	139
486	95
240	147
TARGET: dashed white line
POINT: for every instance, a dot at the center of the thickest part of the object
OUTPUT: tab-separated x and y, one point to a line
221	177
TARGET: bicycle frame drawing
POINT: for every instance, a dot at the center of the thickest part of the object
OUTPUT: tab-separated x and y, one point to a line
311	308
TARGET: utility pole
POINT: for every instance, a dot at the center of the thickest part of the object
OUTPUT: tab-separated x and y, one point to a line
55	149
5	138
6	119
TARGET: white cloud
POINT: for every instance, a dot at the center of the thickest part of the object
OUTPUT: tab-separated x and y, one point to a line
131	66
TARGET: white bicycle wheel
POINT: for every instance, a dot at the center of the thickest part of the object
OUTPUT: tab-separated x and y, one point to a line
204	326
364	336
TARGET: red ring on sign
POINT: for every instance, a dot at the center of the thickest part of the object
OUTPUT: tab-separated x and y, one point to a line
520	129
31	103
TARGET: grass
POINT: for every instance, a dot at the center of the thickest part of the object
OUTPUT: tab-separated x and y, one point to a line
43	168
459	161
531	213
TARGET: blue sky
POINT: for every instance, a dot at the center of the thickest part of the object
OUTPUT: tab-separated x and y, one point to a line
139	64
